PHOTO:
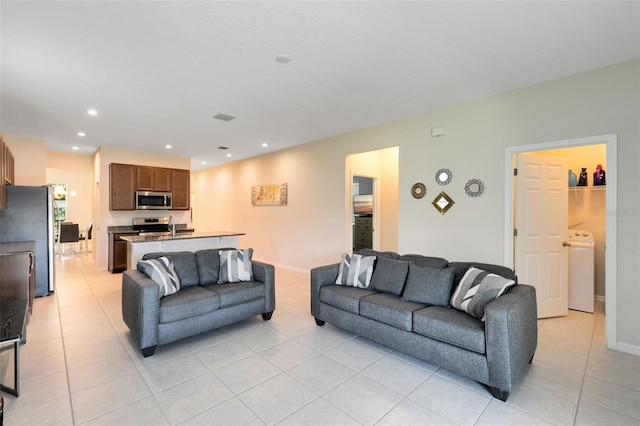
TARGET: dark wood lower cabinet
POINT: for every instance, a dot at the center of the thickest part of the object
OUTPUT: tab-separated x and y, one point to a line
118	251
17	272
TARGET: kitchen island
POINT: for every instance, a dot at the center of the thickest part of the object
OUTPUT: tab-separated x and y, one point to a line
139	245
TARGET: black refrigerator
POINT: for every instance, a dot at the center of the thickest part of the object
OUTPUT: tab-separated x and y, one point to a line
28	216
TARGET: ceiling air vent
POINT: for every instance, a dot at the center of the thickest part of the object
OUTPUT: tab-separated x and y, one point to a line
223	117
223	147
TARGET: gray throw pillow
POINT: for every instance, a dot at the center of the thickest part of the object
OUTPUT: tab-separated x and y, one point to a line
427	285
162	272
389	275
355	270
476	289
235	266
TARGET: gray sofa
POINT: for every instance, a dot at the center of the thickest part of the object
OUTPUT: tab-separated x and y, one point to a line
201	304
495	352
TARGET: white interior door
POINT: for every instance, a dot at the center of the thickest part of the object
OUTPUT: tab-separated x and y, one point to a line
541	223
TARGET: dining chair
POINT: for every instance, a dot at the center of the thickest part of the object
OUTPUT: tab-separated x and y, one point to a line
69	234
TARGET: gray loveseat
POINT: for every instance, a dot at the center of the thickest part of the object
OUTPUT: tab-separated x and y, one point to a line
201	304
495	352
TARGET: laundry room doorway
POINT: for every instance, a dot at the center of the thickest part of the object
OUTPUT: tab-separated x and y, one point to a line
587	209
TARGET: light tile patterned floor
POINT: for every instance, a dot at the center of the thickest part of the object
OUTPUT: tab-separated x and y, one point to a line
80	366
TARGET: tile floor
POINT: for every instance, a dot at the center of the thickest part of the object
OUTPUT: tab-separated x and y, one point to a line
81	367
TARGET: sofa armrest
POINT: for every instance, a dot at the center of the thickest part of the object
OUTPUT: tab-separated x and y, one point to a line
141	307
512	336
321	276
265	273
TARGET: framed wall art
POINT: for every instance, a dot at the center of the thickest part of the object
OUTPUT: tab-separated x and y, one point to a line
270	195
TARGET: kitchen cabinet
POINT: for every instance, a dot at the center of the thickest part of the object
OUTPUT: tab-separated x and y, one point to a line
363	233
153	178
126	179
17	272
118	251
3	192
7	173
122	186
180	189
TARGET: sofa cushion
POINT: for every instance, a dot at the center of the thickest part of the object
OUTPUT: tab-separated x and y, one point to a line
184	263
420	260
162	272
428	285
235	266
450	326
355	270
389	309
187	303
379	254
232	294
208	262
345	298
389	275
476	289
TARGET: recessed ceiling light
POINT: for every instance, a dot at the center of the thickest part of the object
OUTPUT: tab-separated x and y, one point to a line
168	146
203	163
75	148
264	144
228	155
82	134
92	112
283	59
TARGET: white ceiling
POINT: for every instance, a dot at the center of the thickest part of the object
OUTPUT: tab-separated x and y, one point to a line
158	72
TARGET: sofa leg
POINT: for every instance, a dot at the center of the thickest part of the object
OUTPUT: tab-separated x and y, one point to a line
147	352
500	394
319	322
267	316
531	360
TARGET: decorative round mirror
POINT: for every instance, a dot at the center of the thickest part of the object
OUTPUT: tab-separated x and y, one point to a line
474	188
444	176
418	190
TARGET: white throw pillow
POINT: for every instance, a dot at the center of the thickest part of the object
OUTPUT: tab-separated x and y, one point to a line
235	266
355	270
162	272
476	289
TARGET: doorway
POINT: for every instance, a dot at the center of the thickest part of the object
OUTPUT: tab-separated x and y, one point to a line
382	167
610	142
363	212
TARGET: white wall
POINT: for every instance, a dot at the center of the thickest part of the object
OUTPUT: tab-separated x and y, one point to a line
30	159
311	231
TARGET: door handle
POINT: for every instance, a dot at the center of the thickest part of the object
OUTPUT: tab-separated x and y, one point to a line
566	244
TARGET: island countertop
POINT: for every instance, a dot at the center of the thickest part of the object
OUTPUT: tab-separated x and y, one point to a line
139	245
179	236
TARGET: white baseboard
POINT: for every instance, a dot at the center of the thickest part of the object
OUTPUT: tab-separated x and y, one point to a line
627	348
599	298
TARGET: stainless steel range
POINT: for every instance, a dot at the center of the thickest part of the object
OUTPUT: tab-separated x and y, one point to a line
152	225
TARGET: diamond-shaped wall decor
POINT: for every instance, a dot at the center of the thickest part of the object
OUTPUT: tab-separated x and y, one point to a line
442	202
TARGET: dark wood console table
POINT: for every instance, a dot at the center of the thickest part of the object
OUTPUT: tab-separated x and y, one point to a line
13	319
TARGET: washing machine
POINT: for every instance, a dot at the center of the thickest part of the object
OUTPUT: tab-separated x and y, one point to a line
581	270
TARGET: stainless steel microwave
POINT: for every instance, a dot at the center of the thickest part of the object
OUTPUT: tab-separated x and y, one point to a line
148	200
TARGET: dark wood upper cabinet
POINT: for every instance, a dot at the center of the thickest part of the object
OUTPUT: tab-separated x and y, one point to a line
3	192
153	178
126	179
7	171
122	186
180	189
